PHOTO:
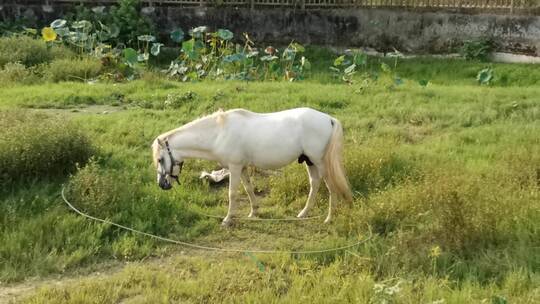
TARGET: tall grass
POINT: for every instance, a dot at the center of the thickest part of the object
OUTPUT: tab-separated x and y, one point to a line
37	146
72	70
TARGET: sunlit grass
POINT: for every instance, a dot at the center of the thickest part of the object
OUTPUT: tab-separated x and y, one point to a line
453	166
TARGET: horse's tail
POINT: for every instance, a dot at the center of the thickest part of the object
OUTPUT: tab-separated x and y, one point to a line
335	172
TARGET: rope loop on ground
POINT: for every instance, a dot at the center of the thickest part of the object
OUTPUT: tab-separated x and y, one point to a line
208	248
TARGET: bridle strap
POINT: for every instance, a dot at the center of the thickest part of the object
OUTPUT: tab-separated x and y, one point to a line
173	162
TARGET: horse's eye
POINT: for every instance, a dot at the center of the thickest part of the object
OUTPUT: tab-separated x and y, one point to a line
160	160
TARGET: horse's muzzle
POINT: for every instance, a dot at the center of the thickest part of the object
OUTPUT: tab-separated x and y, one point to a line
164	184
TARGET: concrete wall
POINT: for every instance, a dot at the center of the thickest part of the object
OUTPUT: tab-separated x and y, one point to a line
381	29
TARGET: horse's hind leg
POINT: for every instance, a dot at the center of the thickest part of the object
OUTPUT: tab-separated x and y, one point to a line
314	183
331	204
234	182
249	189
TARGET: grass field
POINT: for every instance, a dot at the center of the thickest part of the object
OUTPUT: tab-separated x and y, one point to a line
446	176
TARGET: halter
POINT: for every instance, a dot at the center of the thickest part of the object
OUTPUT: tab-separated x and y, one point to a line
173	163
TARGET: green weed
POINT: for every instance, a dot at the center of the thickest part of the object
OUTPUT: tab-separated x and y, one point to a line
29	51
15	72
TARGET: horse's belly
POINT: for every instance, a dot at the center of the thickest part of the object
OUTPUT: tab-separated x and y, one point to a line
274	159
272	148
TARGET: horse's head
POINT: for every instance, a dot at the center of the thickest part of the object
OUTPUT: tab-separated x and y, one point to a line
168	166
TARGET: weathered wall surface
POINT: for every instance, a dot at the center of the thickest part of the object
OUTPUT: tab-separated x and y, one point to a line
382	29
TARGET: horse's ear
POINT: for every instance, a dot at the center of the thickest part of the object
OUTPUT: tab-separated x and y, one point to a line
158	142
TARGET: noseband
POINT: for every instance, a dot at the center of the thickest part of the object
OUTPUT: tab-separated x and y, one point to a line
173	162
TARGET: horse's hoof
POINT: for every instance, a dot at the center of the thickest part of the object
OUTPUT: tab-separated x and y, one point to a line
328	220
226	223
252	215
302	214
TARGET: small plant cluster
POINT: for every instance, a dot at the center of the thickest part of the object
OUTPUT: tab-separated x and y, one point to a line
15	72
386	294
347	65
27	60
177	100
203	54
485	76
87	38
96	191
39	146
214	55
477	49
107	42
82	35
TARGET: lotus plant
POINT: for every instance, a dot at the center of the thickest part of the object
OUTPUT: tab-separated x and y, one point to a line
346	65
214	55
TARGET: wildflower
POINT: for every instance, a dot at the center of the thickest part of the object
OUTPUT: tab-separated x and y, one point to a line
378	288
48	34
435	251
393	290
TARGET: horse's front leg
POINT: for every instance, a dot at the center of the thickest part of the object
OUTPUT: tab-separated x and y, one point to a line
249	189
234	182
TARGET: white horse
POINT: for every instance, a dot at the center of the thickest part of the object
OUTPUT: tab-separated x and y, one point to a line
240	138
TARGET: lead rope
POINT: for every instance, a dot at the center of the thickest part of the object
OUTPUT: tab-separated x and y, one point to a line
201	247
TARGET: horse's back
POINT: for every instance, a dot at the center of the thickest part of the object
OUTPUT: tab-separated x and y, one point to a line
300	114
305	120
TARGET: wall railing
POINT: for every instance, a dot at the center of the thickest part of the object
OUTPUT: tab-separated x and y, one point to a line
480	5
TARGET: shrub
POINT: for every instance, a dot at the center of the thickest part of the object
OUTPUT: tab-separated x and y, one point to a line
125	15
29	51
98	192
38	146
10	26
25	50
477	49
131	22
73	69
14	72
